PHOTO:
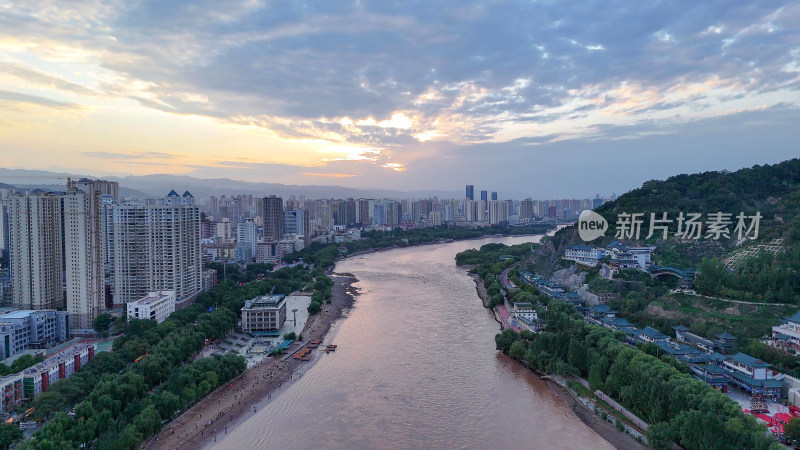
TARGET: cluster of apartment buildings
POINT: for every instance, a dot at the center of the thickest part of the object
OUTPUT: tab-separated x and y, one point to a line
84	250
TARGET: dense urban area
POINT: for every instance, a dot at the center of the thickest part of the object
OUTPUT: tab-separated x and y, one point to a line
120	313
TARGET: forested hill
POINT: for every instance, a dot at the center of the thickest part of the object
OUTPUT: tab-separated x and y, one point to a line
726	266
773	190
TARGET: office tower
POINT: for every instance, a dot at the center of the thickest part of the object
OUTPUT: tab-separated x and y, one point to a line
273	217
470	192
498	212
157	248
84	250
377	213
494	195
484	196
293	221
37	269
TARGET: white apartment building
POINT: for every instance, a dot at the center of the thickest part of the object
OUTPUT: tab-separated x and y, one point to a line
156	306
247	233
37	243
157	248
84	251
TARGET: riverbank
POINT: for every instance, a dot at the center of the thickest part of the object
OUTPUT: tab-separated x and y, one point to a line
611	434
230	405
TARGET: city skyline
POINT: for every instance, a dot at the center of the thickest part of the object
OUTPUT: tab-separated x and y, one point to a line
408	98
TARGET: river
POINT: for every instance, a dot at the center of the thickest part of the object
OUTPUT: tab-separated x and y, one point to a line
415	367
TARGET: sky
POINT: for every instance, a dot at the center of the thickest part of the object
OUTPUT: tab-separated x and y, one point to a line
544	98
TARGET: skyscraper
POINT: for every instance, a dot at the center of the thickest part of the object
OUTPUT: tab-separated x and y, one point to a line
470	192
84	248
273	217
494	195
157	248
485	197
36	259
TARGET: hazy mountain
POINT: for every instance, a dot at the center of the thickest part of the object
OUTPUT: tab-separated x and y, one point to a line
159	185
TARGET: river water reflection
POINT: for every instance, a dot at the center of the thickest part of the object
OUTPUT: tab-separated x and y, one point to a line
415	367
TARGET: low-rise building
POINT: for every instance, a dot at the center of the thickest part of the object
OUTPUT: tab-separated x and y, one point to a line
28	329
264	315
649	334
209	279
787	334
524	310
584	254
11	392
36	379
156	306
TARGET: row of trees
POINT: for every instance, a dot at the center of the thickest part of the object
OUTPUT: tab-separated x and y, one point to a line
120	403
679	408
324	255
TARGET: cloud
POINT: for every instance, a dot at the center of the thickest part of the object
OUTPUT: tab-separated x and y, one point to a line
393	85
18	97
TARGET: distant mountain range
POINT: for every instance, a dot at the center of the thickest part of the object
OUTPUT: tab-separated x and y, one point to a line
160	184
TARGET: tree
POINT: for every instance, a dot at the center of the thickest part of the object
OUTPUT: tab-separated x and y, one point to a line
314	307
102	323
792	430
9	433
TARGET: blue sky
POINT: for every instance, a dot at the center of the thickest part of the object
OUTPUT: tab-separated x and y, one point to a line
547	98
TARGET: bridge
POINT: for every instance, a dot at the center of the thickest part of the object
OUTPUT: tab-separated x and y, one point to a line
686	277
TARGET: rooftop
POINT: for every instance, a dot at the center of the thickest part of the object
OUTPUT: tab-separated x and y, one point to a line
749	360
267	301
652	332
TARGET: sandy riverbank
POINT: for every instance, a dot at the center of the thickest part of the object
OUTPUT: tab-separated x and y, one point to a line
228	405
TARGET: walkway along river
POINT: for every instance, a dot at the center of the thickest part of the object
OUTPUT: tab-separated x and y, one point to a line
415	367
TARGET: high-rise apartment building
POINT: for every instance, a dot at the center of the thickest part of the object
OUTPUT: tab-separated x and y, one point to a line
526	210
84	251
247	233
273	217
37	250
470	192
498	211
157	248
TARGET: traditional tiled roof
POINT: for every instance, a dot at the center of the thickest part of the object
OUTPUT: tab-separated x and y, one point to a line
749	360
